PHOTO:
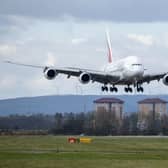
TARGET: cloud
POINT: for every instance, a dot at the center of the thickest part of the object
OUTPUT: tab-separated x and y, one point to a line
111	10
147	40
77	41
37	81
7	83
7	49
14	23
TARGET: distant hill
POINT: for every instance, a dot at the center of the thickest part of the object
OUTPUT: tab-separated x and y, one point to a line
64	103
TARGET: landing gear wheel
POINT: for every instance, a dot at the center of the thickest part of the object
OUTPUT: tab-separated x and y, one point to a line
113	89
128	89
104	88
140	88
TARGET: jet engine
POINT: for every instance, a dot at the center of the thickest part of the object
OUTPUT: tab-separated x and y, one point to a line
165	79
84	78
50	73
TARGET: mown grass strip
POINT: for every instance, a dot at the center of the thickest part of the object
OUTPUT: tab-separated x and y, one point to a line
82	156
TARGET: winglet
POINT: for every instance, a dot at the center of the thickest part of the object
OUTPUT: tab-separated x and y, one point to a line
109	46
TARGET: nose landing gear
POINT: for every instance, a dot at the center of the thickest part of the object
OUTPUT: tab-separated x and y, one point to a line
139	88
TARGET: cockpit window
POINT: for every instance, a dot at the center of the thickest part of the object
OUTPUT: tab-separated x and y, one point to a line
136	64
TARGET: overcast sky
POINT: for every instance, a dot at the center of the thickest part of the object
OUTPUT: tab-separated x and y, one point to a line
72	33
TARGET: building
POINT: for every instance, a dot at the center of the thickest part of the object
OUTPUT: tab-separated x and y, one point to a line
108	111
150	110
112	105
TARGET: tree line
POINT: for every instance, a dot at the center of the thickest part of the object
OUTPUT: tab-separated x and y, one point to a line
82	123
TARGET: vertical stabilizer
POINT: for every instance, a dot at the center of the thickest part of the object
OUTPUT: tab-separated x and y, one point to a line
109	47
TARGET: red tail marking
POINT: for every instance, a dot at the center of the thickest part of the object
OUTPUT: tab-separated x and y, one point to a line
109	54
109	47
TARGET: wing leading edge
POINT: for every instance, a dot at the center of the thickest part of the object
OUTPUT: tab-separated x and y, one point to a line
96	76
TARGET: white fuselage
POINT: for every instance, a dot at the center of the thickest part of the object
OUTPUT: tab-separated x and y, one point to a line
127	68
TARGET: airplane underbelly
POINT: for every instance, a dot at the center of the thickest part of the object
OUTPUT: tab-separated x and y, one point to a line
116	77
130	75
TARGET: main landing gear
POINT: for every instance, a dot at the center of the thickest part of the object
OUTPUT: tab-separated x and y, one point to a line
111	89
127	89
140	88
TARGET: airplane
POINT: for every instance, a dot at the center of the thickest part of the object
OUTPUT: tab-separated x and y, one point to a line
127	72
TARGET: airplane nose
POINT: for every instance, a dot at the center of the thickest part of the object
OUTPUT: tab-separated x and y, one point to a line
134	71
139	71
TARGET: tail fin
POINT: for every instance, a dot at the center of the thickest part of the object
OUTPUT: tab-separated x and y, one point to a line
109	47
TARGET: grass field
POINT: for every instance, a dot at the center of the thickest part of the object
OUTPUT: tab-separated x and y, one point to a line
54	151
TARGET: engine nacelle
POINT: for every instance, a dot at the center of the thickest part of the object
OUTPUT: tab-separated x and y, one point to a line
50	73
84	78
165	79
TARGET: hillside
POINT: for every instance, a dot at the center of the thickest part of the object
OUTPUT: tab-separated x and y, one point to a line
64	103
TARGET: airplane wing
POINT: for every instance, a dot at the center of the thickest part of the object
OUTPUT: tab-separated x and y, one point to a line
147	78
151	77
96	76
21	64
